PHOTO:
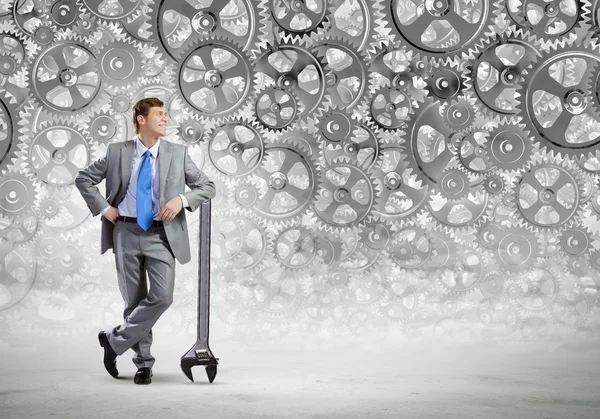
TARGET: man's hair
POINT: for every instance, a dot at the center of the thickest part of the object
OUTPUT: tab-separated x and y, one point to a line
142	107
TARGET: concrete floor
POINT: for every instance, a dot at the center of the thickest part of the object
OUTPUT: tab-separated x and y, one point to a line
302	379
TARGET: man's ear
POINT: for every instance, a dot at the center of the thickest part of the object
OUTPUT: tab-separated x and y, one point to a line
141	120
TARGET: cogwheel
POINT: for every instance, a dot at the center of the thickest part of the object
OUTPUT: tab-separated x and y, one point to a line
22	230
498	68
65	80
295	247
368	288
427	137
473	153
572	308
509	147
517	249
276	109
332	126
447	81
390	108
347	73
113	10
294	68
576	242
236	148
376	234
454	184
55	153
8	133
595	18
216	79
548	194
410	247
298	18
177	25
105	127
464	271
535	290
553	24
257	246
19	192
498	317
286	180
121	62
361	147
18	272
277	292
493	284
554	104
442	29
401	195
346	197
360	22
28	15
461	114
65	14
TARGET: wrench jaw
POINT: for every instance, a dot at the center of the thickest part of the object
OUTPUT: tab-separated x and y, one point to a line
199	354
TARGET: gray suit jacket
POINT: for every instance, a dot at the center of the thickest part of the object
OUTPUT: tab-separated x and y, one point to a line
176	169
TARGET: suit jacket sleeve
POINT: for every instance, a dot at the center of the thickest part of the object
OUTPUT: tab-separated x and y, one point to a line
86	181
202	189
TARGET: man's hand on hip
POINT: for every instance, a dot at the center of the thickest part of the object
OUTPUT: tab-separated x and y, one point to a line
111	214
171	209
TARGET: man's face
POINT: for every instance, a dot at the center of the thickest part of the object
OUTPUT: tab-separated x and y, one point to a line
155	123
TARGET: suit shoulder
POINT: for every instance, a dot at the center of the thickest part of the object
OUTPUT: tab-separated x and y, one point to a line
120	145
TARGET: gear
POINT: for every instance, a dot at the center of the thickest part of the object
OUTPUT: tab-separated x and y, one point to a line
402	195
555	105
276	293
276	109
18	193
473	152
286	180
105	127
447	82
236	148
8	134
498	69
460	115
334	126
29	15
552	22
295	69
65	13
65	80
576	241
347	196
361	147
442	29
548	194
347	74
121	63
410	247
517	249
509	147
113	10
21	230
466	268
56	153
390	108
18	271
298	18
535	290
572	308
216	79
295	248
177	25
454	184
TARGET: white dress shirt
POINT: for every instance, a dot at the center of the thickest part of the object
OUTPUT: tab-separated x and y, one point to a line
127	207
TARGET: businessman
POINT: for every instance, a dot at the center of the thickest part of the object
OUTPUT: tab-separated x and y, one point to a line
144	223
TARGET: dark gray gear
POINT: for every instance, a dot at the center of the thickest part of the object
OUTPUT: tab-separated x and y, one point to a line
276	109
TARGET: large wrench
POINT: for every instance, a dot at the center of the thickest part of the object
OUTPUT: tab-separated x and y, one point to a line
200	353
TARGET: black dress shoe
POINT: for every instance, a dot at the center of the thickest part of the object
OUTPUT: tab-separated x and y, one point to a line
110	356
143	376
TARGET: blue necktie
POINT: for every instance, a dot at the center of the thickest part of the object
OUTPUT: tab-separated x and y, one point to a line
143	194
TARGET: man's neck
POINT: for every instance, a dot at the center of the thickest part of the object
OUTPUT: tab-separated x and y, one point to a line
148	140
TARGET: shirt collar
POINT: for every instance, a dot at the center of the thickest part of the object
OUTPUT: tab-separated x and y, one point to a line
140	148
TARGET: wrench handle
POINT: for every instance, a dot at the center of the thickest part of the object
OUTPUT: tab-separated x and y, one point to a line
204	273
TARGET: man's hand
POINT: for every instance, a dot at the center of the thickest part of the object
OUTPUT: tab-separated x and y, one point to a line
171	209
111	214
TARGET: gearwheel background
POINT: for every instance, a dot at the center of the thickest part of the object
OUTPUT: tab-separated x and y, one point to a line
424	169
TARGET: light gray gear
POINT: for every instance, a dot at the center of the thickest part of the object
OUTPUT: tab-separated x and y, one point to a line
113	10
361	147
65	14
8	133
19	192
498	68
286	180
347	196
237	147
556	108
389	108
276	109
410	247
509	147
447	80
442	29
65	80
295	248
347	73
29	15
297	70
105	127
216	79
298	18
18	272
121	63
22	230
517	249
473	153
177	25
461	114
535	290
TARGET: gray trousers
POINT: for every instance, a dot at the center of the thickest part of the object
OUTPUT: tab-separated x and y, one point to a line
142	258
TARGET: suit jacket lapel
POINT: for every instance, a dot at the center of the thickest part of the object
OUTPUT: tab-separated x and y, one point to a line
164	161
126	163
